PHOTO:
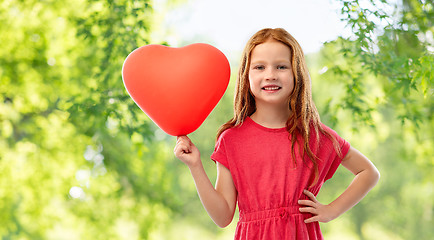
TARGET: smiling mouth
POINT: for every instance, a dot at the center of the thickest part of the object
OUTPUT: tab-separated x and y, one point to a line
273	88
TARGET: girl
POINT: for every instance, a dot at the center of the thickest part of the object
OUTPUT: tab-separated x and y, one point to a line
274	155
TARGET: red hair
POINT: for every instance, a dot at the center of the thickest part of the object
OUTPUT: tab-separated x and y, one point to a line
304	117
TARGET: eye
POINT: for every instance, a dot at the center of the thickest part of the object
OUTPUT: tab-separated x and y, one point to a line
282	67
259	67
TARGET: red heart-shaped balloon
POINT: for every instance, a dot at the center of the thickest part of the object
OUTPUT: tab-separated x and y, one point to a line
176	87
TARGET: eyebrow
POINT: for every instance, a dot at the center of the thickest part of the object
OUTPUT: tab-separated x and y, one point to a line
278	61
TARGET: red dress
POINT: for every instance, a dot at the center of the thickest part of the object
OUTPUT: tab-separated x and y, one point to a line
269	183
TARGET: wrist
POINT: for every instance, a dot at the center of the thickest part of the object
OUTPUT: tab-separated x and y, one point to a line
335	211
197	163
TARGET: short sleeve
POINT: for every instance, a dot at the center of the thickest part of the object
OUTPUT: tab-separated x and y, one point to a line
344	146
219	154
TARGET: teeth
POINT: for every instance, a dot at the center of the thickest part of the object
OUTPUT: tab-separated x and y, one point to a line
271	88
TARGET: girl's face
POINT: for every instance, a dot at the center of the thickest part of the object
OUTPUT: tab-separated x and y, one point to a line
270	74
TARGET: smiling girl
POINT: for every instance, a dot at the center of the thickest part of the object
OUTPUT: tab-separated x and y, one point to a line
274	155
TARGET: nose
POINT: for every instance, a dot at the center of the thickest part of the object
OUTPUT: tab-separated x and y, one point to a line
270	74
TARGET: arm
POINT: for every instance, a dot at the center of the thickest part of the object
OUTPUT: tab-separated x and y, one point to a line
219	202
366	177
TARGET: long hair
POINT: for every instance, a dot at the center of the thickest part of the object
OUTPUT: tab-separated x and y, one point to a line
304	117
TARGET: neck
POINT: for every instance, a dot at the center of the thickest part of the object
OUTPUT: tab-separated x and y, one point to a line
271	117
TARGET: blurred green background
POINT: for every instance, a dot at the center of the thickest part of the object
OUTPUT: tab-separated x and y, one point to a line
79	160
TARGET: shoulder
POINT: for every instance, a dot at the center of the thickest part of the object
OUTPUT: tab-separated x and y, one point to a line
327	137
327	131
234	131
327	128
229	134
238	135
335	139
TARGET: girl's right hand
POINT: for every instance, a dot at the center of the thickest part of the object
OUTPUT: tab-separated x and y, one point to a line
186	151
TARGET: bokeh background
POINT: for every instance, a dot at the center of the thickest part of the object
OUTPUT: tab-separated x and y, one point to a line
79	160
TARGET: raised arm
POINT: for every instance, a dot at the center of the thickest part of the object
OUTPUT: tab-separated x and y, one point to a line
219	202
366	177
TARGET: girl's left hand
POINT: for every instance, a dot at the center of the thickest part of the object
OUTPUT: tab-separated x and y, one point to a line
322	213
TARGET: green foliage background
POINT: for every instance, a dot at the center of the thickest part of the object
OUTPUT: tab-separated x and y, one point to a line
79	160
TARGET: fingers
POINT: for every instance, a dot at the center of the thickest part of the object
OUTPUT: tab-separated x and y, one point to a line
309	210
182	139
312	207
183	145
310	195
306	203
312	219
187	152
181	148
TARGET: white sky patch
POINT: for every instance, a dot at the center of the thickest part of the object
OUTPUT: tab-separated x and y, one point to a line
228	24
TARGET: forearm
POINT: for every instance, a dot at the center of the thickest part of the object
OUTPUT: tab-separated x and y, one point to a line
214	203
366	177
362	183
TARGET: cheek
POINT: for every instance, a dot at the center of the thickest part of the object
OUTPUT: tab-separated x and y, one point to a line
252	81
251	88
291	81
250	77
292	90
